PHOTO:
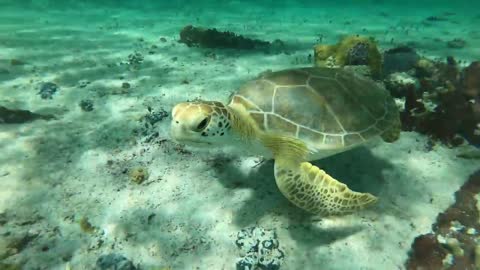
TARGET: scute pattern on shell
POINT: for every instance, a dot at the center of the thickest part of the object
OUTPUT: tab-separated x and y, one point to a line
323	106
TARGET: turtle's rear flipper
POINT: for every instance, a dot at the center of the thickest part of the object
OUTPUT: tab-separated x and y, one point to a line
315	191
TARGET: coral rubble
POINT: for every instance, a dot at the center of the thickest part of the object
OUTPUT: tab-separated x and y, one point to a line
260	248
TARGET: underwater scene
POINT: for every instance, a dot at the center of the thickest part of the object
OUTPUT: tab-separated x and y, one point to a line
243	135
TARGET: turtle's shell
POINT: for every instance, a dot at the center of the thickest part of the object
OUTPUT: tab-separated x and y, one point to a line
329	108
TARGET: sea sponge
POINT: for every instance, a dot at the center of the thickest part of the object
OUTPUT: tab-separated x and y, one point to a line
351	50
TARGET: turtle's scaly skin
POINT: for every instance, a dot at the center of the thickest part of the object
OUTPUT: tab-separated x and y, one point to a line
327	108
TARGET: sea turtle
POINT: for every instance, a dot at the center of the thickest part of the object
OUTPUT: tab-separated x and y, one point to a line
295	116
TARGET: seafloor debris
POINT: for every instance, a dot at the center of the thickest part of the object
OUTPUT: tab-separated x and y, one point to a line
114	261
86	105
134	60
444	102
454	242
149	120
155	116
16	62
86	226
260	248
138	175
47	90
83	83
351	50
15	116
16	244
212	38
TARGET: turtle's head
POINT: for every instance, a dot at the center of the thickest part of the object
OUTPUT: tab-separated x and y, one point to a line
201	123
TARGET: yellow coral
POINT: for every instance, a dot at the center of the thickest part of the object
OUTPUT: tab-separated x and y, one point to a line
341	50
322	52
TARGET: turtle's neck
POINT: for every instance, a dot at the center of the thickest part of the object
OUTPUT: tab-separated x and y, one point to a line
242	124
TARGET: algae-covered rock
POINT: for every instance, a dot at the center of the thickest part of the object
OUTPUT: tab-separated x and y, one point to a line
351	50
212	38
16	116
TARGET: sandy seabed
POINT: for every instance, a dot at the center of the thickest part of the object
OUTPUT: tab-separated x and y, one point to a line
188	211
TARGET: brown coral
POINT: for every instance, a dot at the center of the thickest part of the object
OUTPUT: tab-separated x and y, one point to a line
471	80
454	113
428	253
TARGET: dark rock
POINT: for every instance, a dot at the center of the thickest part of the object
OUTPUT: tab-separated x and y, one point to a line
114	261
212	38
86	105
456	43
47	90
12	116
399	59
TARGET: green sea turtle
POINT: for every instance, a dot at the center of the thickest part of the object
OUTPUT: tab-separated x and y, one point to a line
295	116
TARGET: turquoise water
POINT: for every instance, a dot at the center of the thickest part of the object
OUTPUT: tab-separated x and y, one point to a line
94	175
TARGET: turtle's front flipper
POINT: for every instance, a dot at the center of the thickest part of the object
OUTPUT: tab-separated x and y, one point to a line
315	191
306	185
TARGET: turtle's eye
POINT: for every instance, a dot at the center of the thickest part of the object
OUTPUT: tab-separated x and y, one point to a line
203	124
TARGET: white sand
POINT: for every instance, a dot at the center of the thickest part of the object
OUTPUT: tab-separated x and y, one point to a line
54	173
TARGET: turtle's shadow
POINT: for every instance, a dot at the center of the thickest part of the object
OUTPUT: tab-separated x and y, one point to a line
357	168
